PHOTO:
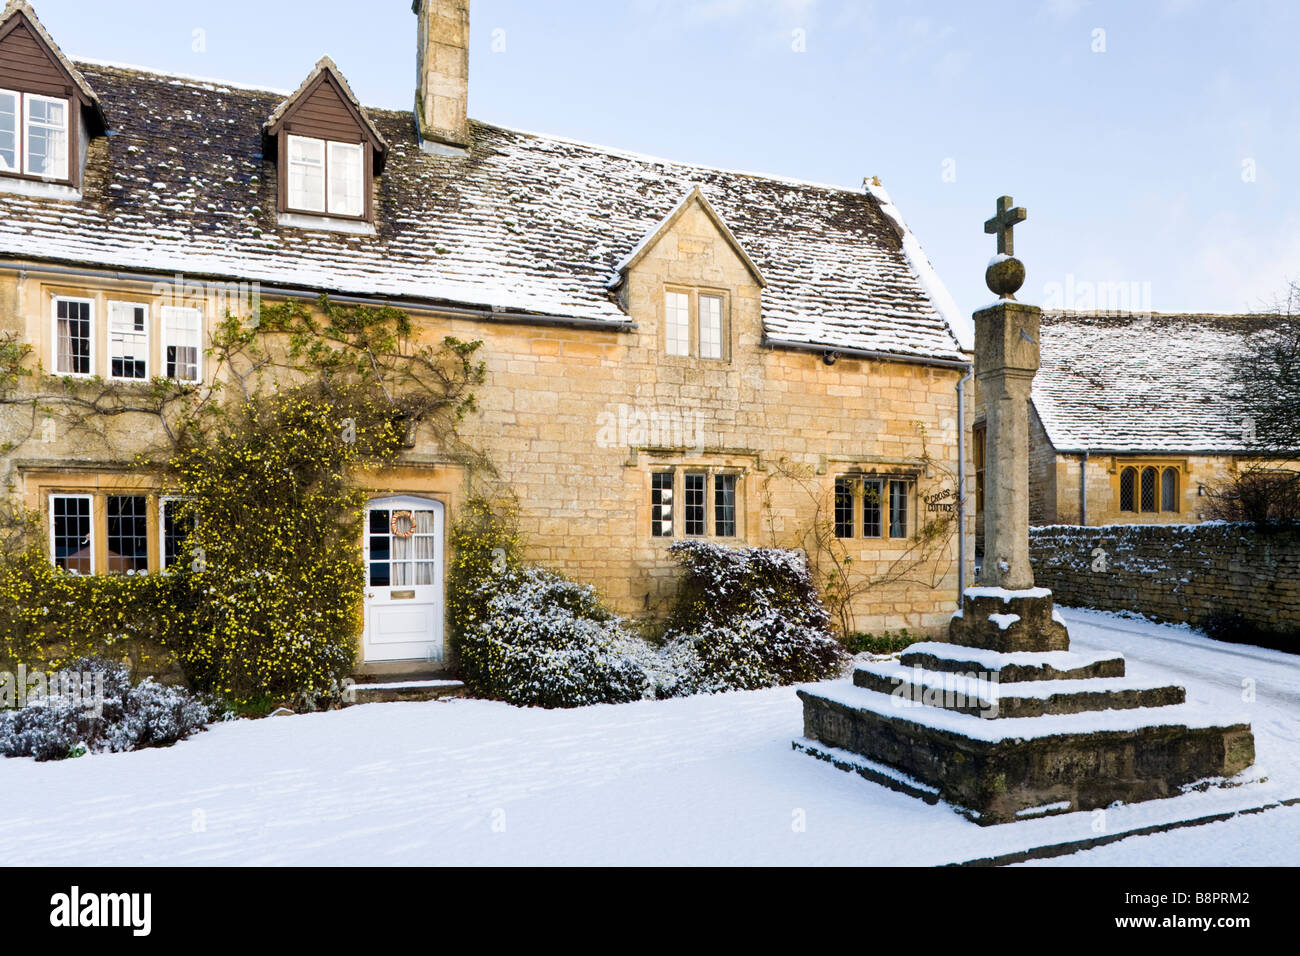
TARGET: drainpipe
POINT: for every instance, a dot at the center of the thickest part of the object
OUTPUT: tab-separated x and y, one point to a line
961	482
1083	489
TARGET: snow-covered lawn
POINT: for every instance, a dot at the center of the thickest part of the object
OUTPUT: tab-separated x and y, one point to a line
707	780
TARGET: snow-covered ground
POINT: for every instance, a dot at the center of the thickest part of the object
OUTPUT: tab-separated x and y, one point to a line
707	780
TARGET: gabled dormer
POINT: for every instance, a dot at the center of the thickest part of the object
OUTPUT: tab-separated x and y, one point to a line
327	151
48	112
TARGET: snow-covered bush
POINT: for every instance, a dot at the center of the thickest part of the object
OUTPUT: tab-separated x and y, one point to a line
745	618
544	641
132	716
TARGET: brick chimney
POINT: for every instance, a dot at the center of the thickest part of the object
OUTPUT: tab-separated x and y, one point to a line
442	91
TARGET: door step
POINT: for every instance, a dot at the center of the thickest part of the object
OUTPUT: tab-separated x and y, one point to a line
406	690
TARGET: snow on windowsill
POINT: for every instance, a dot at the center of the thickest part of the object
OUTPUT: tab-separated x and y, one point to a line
39	190
298	220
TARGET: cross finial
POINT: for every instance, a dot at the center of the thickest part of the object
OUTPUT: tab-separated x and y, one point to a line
1004	222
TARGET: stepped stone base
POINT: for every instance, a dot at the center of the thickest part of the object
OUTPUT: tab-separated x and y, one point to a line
992	700
1001	778
1013	668
1004	721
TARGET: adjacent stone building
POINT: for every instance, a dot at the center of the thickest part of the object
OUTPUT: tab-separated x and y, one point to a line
1131	422
672	350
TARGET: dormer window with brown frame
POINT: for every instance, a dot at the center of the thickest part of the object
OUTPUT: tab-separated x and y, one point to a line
328	153
48	113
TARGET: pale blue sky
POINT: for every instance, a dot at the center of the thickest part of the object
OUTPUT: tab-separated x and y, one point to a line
1133	162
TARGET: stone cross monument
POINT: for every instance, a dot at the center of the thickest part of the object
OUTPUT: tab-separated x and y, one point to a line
1006	613
1082	734
1006	358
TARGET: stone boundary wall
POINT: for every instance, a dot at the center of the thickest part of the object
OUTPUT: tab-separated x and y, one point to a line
1179	573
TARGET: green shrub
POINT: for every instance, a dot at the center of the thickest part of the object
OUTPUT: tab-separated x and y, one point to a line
49	617
745	618
272	562
889	642
547	642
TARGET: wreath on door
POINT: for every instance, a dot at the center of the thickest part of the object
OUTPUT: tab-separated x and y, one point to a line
400	529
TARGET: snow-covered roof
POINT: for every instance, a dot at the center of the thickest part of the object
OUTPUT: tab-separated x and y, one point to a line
1142	383
524	223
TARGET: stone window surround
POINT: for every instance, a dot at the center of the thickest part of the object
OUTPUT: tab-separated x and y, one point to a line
100	295
1118	465
885	477
693	294
98	495
680	470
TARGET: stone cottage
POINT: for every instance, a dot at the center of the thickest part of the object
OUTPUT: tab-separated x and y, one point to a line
1131	422
672	350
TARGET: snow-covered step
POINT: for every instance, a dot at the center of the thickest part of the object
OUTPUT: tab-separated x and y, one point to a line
982	694
409	690
1016	666
997	769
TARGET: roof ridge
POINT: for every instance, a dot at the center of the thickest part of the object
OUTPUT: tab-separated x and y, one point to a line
535	134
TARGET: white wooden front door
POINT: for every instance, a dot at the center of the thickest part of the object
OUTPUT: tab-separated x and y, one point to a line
404	596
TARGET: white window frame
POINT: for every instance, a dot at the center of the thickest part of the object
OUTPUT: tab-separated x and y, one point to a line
163	502
330	147
54	335
18	133
324	175
722	324
133	306
675	332
28	100
167	342
79	497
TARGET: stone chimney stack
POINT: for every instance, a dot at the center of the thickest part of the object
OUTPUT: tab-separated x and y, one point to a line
442	91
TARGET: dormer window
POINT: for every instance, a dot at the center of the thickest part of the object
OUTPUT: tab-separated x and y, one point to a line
33	130
45	137
326	177
48	113
328	152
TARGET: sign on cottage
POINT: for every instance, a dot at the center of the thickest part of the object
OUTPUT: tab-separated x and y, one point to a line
943	501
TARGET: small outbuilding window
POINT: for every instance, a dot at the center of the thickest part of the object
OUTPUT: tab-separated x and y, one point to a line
1149	489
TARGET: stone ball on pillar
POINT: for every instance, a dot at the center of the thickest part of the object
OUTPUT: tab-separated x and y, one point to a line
1004	276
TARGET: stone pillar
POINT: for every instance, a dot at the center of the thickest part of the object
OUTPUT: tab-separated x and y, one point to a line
1006	358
